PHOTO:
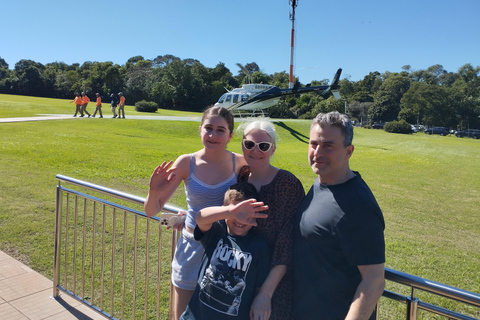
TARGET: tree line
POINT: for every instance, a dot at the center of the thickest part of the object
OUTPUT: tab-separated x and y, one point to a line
433	96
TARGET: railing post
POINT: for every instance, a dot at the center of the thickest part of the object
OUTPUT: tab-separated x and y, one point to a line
56	262
412	306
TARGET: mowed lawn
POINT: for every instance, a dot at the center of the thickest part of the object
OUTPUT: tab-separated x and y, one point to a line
427	186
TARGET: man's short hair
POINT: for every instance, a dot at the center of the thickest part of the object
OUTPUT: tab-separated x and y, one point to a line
336	119
239	192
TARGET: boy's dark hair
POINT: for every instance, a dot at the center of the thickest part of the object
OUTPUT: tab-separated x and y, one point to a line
240	191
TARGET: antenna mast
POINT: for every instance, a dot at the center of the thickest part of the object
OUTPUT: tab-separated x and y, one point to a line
291	78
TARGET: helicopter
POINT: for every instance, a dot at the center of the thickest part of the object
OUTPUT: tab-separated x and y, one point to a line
257	97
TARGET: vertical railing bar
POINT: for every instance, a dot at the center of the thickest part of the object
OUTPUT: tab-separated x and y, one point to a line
58	219
124	260
102	268
94	231
66	246
113	262
172	253
134	266
84	249
75	251
147	247
159	268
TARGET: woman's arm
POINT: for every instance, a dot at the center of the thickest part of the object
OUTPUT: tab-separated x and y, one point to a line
164	181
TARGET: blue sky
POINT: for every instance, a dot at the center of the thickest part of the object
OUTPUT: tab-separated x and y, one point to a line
358	36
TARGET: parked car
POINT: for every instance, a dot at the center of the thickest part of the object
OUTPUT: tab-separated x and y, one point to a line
471	133
437	130
376	125
414	129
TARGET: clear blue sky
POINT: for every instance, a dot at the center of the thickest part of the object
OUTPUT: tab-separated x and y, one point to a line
358	36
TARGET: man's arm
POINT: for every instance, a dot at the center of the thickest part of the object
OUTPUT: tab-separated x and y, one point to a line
368	292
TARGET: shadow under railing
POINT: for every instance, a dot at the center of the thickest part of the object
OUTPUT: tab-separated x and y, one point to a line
114	259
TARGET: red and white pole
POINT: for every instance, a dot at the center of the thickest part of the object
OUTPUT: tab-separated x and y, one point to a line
291	79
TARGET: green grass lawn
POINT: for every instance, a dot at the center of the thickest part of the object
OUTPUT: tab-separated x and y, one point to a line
427	186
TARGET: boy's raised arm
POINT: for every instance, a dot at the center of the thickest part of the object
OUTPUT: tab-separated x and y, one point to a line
244	212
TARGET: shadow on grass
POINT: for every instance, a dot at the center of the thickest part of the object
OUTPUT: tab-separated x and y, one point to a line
300	136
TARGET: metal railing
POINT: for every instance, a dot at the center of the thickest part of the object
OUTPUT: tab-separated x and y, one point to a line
414	304
108	255
108	258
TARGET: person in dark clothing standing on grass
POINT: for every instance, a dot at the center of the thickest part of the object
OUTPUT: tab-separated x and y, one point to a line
339	246
113	104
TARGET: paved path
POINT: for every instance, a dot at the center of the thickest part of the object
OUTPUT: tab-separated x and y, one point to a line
26	294
66	116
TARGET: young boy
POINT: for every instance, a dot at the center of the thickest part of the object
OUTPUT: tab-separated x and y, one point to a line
235	262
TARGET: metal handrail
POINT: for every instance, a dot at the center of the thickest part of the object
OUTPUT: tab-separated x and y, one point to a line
415	283
433	287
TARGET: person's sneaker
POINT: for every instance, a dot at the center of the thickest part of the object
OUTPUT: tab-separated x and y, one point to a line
93	116
101	117
74	115
81	115
89	115
123	117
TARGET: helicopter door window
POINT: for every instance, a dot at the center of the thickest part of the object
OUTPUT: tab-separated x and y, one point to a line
244	98
235	98
228	98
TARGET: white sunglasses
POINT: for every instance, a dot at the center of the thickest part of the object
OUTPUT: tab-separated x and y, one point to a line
262	146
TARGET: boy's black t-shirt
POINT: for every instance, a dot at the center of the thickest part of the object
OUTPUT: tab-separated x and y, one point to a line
233	267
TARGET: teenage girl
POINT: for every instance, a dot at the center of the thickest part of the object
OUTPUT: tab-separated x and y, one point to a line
207	174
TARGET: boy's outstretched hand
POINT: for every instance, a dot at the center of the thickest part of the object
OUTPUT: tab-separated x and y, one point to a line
247	211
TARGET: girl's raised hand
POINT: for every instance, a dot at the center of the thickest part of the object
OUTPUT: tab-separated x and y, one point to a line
162	176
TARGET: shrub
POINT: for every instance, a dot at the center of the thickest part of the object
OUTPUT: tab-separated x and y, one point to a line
401	126
146	106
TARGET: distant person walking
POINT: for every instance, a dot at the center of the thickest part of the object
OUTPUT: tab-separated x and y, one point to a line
78	104
85	101
113	104
98	106
121	106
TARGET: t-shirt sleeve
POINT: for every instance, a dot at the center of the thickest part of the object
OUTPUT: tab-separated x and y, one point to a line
263	264
360	235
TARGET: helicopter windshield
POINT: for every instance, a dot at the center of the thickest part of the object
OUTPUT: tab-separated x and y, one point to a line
221	98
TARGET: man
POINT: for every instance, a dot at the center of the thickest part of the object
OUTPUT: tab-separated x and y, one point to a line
339	247
113	105
121	106
85	101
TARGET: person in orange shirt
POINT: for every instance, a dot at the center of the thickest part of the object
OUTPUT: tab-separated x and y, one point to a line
98	106
85	101
78	104
121	106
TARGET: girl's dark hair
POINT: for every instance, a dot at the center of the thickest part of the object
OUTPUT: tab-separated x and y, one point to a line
219	111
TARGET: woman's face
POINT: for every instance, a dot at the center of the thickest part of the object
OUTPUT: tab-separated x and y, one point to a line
214	132
256	157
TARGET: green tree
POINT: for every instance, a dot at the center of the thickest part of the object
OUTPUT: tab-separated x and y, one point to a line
386	104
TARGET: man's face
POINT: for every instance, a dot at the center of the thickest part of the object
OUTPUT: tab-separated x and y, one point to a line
327	155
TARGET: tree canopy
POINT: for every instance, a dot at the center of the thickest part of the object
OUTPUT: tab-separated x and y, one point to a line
433	96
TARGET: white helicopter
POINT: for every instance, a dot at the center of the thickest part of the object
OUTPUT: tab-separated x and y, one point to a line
256	97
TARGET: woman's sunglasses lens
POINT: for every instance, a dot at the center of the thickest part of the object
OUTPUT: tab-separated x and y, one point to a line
249	145
264	146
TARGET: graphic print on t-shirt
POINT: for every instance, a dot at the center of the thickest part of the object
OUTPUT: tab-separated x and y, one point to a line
224	281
